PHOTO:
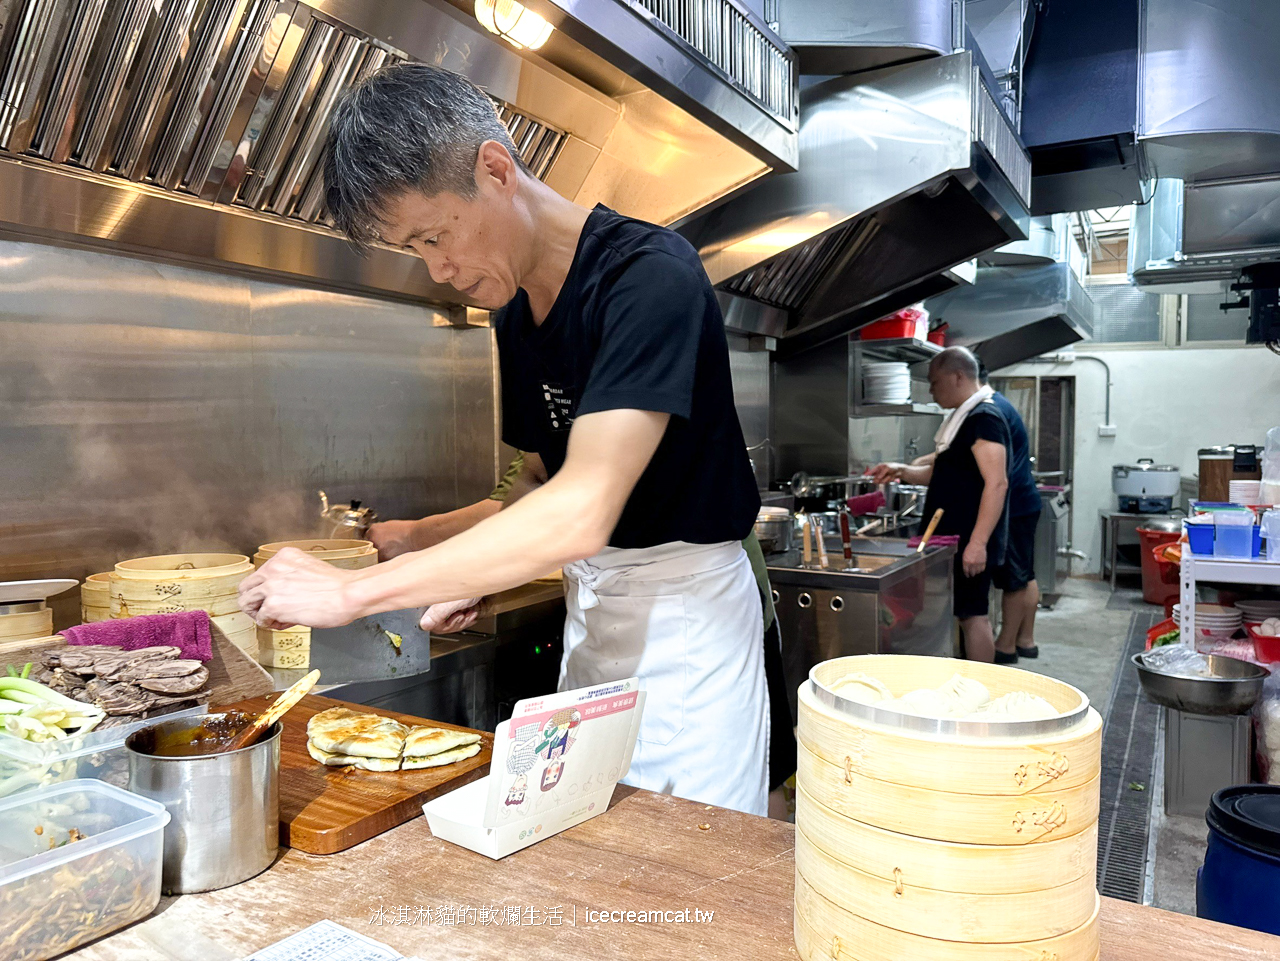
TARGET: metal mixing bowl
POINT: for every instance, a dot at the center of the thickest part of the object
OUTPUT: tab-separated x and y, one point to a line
1233	689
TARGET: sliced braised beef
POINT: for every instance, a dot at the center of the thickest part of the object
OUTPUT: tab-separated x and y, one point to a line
185	684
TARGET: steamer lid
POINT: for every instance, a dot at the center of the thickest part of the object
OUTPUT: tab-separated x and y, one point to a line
1248	814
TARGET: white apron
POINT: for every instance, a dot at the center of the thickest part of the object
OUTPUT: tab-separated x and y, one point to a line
685	619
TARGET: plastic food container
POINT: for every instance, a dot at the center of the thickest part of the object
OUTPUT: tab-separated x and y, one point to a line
54	899
1265	647
1233	533
1200	536
25	765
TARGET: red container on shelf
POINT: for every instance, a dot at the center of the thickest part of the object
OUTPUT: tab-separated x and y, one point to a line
906	323
1265	647
939	335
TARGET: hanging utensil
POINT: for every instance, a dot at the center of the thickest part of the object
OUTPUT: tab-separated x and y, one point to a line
928	531
277	710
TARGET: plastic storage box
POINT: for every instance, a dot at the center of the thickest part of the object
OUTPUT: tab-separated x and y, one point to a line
25	765
1200	536
1233	533
57	893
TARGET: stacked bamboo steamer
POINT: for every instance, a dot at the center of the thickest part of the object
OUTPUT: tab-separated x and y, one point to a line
292	647
932	840
95	598
170	583
348	554
22	622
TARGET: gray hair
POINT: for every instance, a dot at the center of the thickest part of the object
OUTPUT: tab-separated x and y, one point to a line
410	126
957	360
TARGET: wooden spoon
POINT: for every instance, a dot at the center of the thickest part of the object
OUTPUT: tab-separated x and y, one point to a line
277	710
928	531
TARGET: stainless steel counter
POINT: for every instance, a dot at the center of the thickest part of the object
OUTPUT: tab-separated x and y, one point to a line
893	601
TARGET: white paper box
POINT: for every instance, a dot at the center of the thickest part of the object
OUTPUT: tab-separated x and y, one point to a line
555	764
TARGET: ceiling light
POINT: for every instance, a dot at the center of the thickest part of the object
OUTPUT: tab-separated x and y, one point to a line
514	22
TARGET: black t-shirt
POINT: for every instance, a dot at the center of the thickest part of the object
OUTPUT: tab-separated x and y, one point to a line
956	485
636	326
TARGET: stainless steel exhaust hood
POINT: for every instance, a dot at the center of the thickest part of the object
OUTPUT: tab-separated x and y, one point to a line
1012	314
191	130
904	173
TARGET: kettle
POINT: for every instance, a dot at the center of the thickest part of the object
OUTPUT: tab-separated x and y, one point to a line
348	520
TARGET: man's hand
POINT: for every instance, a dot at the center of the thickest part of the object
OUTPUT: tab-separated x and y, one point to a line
884	473
974	559
293	588
451	616
393	538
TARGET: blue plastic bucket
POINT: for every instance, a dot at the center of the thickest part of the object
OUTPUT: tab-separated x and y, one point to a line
1239	882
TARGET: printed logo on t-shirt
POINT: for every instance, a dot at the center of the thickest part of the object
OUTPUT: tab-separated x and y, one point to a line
560	406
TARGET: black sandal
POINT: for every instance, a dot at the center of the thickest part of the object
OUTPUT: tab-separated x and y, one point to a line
1030	653
1003	658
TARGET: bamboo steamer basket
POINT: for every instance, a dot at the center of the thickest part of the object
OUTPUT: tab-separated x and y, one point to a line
945	865
946	815
347	554
95	598
900	904
968	765
234	624
945	839
171	583
287	648
214	607
826	932
26	625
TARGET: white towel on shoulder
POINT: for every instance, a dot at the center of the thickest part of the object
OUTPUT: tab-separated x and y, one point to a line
953	421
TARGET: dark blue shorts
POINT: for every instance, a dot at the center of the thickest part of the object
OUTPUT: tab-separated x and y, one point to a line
1018	569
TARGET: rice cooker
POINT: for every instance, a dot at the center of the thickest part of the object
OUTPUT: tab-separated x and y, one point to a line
1146	487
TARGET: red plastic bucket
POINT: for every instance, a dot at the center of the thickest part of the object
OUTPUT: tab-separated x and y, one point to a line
1155	589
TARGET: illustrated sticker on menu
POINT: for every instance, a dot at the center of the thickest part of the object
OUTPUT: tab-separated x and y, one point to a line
555	764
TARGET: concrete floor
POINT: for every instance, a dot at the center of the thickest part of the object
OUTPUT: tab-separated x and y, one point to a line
1080	641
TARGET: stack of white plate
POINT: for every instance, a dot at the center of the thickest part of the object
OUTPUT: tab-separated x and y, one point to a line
1213	619
1255	612
886	383
1245	492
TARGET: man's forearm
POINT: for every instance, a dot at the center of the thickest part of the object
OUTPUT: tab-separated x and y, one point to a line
430	531
918	474
989	510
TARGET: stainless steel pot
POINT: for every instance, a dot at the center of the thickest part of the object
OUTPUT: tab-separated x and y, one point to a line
774	526
224	809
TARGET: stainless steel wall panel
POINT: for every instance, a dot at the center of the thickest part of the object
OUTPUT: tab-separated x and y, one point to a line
749	368
148	408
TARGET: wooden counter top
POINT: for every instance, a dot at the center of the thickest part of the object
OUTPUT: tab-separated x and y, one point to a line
648	852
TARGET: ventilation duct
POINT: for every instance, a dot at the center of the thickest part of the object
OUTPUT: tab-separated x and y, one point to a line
1012	314
904	173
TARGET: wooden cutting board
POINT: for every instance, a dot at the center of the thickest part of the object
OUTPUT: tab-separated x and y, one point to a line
328	809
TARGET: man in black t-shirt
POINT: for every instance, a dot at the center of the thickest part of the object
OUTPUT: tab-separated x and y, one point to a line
968	482
615	383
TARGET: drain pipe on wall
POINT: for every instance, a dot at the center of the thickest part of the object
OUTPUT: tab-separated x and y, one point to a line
1106	428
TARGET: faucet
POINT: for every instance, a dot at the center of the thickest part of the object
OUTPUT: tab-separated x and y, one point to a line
913	449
